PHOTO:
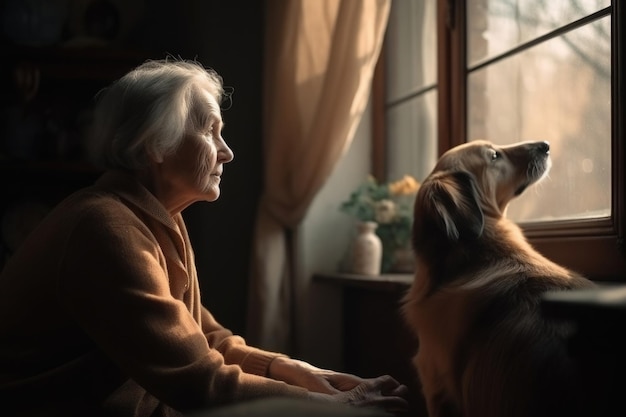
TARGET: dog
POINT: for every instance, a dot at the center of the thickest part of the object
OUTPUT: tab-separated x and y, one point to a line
484	349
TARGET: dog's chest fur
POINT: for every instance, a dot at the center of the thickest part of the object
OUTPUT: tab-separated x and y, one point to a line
443	321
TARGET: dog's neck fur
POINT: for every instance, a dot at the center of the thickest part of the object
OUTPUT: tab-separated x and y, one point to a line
442	259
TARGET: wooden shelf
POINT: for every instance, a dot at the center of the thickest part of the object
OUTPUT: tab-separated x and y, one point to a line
376	340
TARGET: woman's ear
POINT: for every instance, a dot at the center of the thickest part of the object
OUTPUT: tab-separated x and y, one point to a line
447	204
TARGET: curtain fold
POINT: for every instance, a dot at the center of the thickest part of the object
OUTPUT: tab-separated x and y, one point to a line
319	61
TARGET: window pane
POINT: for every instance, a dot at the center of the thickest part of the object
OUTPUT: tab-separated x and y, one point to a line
412	137
559	91
411	47
496	26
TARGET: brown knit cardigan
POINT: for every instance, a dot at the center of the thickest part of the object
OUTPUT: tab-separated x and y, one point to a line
100	310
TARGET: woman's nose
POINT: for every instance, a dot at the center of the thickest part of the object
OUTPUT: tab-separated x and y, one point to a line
224	152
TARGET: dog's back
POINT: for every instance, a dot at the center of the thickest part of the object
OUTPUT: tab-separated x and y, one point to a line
485	350
517	361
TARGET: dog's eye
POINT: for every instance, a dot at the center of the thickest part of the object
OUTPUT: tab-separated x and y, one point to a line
495	155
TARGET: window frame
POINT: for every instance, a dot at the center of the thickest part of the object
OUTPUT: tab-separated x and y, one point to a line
594	247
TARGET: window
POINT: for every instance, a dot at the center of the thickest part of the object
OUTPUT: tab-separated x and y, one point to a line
411	88
511	70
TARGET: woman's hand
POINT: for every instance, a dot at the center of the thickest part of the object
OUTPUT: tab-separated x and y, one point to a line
384	391
314	379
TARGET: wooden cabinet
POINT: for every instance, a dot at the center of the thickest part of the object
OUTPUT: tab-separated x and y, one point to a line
376	340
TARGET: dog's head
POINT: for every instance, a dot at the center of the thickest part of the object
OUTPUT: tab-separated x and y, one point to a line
475	180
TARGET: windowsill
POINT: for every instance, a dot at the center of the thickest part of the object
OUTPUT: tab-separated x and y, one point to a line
382	282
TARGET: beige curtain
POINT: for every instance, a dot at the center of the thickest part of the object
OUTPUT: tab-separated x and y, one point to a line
319	60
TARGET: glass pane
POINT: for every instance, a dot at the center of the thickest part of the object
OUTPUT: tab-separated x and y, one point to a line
412	137
496	26
411	47
559	91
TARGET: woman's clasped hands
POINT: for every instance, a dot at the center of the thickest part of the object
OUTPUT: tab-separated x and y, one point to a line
330	386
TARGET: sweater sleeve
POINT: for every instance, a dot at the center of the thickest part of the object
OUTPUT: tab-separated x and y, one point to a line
113	283
234	348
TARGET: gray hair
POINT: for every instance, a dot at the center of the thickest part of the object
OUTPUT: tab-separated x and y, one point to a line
145	114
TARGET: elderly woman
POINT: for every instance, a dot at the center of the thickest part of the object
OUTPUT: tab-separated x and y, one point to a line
100	309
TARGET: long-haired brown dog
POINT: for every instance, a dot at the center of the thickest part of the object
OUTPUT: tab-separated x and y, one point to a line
484	348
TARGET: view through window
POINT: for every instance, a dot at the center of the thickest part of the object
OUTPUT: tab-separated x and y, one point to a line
541	70
536	70
411	89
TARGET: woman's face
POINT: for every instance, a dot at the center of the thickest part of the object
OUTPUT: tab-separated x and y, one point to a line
195	169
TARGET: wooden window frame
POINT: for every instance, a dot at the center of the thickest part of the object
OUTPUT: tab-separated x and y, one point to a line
595	248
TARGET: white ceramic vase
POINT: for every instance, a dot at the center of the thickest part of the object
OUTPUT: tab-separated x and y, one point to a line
367	250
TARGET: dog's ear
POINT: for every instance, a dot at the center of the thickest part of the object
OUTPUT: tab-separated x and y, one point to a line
449	202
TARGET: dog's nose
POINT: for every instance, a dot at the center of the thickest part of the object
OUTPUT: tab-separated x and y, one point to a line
543	147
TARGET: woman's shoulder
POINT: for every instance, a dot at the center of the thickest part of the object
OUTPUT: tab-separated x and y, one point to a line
102	222
95	209
92	202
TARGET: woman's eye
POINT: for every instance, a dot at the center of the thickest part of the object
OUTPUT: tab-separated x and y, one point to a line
495	155
208	132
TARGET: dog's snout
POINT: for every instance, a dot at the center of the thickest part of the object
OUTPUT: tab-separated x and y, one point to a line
543	147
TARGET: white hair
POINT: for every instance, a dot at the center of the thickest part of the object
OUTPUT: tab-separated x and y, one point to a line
144	115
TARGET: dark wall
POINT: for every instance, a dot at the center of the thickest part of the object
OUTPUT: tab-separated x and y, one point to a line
221	231
227	36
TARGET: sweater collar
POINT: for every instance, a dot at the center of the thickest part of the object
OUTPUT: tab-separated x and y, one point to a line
132	191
